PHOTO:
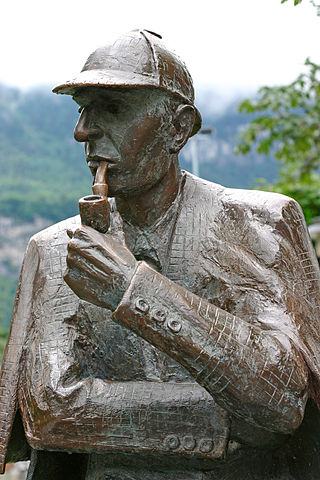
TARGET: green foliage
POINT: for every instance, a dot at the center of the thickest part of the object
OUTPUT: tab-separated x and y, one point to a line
288	126
3	341
306	193
7	292
296	2
42	169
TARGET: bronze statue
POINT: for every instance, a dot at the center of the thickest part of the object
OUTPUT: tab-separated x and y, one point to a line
182	342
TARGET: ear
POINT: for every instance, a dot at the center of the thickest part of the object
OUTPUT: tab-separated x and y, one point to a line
183	123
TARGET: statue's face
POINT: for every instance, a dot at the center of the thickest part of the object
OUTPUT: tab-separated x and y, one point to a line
132	130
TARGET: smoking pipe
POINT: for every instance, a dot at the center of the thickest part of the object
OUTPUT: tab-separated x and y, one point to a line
95	209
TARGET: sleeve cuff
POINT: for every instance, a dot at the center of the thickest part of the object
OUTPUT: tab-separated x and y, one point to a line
157	309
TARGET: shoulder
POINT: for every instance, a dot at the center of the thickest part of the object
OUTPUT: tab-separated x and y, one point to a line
201	188
57	232
267	206
257	198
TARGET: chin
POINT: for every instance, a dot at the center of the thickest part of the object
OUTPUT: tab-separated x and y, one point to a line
127	190
123	185
118	190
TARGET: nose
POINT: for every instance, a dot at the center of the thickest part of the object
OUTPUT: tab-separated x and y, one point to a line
84	132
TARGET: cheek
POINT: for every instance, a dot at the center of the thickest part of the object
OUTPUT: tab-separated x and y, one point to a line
143	141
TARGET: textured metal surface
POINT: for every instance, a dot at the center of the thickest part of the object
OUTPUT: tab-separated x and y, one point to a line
136	59
72	348
11	362
117	415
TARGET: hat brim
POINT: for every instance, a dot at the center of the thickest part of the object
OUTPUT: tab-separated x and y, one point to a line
109	78
120	79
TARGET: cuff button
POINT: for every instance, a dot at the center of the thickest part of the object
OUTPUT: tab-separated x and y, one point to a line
188	442
172	442
142	305
158	315
174	326
206	445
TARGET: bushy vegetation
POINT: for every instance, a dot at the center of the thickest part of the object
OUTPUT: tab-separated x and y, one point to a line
287	125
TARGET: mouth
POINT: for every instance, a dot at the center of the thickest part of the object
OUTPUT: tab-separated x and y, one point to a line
94	162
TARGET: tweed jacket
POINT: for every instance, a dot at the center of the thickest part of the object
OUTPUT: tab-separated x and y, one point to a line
72	368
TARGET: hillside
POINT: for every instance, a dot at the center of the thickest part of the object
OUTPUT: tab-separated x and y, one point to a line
40	162
44	171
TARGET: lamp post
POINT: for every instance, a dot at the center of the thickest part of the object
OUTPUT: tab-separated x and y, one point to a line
194	148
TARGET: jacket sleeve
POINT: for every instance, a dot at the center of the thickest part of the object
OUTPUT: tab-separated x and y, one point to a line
254	373
254	366
11	365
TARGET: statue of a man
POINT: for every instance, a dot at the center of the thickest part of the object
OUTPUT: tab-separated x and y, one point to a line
181	344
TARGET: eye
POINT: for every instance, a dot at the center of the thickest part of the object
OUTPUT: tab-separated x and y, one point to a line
80	109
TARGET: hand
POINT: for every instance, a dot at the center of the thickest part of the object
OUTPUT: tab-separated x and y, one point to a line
100	267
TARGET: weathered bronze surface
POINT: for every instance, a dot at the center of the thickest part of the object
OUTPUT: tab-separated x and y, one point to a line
182	341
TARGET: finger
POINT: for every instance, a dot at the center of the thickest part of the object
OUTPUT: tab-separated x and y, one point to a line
95	238
91	254
70	233
82	289
84	232
97	253
75	281
97	271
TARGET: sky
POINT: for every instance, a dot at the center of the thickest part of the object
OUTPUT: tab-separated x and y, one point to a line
227	44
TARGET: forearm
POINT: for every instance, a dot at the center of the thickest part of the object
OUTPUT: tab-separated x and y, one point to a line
100	416
254	373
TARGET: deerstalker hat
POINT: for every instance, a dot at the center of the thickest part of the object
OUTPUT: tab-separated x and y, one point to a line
136	59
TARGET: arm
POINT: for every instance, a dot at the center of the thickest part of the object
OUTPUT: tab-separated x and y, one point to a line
255	372
10	367
63	409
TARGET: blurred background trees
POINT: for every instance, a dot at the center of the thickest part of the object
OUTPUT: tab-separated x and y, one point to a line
287	125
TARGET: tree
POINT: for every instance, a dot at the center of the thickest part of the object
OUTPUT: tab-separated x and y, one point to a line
288	125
